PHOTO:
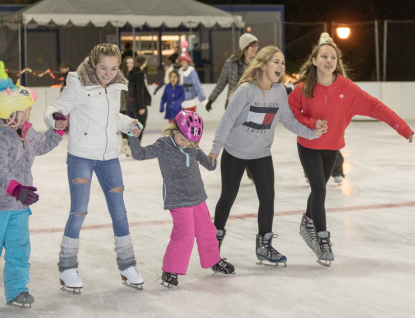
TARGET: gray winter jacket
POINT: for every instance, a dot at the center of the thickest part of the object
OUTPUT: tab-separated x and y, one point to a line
183	185
16	160
228	76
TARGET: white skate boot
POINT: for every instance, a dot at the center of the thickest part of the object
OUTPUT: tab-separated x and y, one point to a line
70	278
131	277
323	249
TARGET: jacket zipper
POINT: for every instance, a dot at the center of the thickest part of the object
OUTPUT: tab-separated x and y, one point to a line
106	128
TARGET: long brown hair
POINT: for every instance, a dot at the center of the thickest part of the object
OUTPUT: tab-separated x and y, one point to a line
308	71
124	68
254	72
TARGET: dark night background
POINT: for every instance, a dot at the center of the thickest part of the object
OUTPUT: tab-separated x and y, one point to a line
359	48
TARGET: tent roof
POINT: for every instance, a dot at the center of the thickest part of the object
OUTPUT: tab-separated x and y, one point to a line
153	13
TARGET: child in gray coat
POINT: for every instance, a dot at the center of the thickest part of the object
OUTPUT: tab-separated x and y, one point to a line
184	195
19	144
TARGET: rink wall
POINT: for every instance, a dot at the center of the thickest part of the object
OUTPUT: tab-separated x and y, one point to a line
399	96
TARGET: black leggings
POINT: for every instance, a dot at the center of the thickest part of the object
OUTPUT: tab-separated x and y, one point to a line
262	171
318	166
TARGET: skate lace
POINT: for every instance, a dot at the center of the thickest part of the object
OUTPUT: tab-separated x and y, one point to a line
269	248
167	277
310	231
325	245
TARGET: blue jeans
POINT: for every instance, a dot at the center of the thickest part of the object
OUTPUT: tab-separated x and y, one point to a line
109	177
14	237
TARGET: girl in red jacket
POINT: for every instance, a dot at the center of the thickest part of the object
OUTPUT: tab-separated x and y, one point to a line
323	92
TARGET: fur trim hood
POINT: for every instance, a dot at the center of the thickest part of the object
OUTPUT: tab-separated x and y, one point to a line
88	77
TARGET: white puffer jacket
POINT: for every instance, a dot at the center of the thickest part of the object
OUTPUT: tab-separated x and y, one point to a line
95	114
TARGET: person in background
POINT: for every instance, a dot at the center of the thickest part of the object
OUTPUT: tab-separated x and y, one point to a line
173	97
138	98
190	81
168	68
126	67
234	67
127	51
324	91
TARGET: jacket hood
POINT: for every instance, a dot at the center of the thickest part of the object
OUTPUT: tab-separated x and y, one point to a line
88	77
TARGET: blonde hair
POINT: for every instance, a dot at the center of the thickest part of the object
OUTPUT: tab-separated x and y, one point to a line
308	70
254	72
107	49
20	117
173	126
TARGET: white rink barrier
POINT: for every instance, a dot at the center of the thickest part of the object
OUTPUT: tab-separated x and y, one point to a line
399	96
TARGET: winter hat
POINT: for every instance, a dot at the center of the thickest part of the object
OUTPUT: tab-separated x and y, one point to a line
325	38
185	57
245	40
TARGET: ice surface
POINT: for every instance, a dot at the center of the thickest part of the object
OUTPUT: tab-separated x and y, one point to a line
370	216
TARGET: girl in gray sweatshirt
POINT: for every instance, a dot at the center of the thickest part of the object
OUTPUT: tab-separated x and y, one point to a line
184	195
246	132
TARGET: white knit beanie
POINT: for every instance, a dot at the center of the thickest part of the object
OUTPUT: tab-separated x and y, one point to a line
245	40
325	38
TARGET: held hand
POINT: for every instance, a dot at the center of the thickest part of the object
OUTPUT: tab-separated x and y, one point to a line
60	120
321	123
320	131
136	129
213	157
142	111
411	136
209	105
25	194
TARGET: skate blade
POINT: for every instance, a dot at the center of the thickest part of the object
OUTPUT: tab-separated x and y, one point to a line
324	263
14	304
69	291
135	286
276	265
214	273
167	285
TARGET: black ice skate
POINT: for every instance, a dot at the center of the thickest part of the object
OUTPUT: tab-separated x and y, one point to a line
265	251
323	249
22	300
169	279
223	267
220	235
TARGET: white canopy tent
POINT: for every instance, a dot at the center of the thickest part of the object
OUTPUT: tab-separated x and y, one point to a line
137	13
153	13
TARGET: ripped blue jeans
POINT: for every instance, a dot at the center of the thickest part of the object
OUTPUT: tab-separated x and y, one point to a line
110	178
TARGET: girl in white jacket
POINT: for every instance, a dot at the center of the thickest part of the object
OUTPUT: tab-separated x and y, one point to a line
92	97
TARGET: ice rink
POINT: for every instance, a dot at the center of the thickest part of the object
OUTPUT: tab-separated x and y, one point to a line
370	216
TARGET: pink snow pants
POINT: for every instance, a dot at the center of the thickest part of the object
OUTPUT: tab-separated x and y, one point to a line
188	223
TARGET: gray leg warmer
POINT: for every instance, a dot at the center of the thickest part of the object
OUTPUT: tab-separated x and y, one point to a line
68	256
125	252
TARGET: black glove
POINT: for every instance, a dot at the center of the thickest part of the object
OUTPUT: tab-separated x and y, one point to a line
209	105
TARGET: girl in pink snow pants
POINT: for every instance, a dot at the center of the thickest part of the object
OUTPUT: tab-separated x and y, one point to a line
184	195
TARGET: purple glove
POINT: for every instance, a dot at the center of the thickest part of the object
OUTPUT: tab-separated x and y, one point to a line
58	116
25	194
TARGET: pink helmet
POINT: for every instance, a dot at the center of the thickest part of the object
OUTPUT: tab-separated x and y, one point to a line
190	125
